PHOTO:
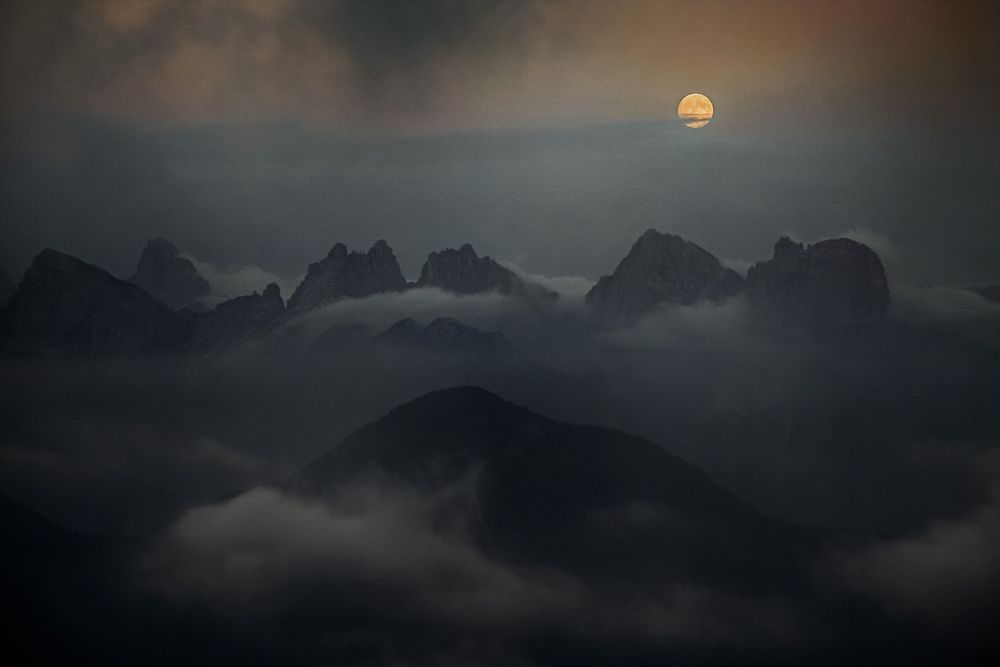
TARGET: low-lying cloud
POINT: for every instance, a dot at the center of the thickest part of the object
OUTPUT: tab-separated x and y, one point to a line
950	310
490	311
231	283
946	577
377	553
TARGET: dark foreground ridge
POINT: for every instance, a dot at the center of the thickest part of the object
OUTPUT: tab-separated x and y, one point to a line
538	484
462	528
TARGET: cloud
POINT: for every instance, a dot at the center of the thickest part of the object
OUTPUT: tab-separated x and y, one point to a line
946	577
378	552
740	266
374	545
877	241
489	311
948	309
704	325
231	283
571	289
392	64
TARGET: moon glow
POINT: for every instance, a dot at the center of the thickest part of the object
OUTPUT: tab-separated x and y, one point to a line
695	110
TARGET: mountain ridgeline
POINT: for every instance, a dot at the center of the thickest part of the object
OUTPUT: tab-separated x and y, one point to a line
836	286
344	274
168	277
831	285
527	472
661	269
462	271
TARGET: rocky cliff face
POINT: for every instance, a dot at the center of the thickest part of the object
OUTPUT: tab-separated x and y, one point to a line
7	288
348	274
462	271
661	268
832	285
235	322
64	303
168	277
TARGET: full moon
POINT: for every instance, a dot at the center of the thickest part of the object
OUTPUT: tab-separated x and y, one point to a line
695	110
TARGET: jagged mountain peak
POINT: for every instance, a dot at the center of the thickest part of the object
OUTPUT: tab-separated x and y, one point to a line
64	303
348	274
168	277
463	271
661	268
831	286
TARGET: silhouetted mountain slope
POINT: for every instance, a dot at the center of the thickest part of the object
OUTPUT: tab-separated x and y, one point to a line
555	493
661	268
348	274
7	288
57	585
168	277
70	598
462	271
66	304
232	323
443	334
831	286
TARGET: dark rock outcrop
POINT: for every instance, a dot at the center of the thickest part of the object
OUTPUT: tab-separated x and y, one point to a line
661	268
234	322
7	288
444	334
348	274
462	271
168	277
834	286
988	292
66	304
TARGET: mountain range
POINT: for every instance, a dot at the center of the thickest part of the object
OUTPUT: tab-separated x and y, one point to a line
66	304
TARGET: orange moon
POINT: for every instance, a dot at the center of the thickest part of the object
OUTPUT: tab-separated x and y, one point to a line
695	110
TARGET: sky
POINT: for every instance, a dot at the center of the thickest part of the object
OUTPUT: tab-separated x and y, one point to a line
256	134
260	132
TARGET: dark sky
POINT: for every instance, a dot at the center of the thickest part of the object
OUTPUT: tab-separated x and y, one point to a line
263	131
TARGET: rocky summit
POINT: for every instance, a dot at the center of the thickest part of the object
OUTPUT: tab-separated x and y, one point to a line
348	274
234	322
661	268
168	277
66	304
462	271
834	285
